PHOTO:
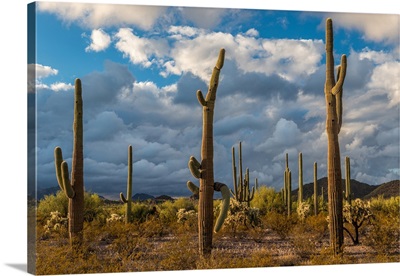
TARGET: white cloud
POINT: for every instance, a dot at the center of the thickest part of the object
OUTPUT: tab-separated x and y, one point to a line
186	31
252	32
60	86
290	59
375	27
204	17
104	15
377	57
140	50
36	72
385	80
100	41
42	71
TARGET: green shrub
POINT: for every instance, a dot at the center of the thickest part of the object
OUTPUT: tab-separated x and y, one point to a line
387	206
59	202
168	209
384	234
53	203
267	200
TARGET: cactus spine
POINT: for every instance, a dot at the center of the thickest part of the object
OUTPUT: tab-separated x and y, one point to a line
315	190
300	193
333	97
287	179
74	187
241	191
128	199
347	181
204	170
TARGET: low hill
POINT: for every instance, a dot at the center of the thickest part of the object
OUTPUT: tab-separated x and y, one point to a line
387	190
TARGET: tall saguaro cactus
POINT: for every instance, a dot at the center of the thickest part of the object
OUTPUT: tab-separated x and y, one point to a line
315	190
347	181
287	183
300	193
333	97
73	187
241	186
204	170
128	199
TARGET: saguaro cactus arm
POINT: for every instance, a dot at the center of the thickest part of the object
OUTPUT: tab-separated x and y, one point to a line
219	187
225	204
62	173
128	199
195	167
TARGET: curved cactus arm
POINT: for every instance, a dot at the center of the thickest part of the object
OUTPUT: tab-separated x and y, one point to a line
192	187
195	167
122	197
62	173
58	159
338	96
68	190
225	204
251	196
200	98
342	74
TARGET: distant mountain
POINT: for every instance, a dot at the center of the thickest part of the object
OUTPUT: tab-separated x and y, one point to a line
141	197
387	190
358	189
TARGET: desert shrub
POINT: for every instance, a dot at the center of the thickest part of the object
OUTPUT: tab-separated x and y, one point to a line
140	211
59	202
384	233
280	223
317	225
267	200
387	206
53	203
168	209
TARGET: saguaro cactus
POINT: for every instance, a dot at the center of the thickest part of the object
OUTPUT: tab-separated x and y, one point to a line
287	180
300	193
347	181
333	98
241	191
74	187
204	170
315	190
128	199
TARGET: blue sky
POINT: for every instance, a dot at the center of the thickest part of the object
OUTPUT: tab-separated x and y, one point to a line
141	65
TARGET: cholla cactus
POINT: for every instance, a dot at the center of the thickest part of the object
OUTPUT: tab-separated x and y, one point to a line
114	218
55	223
184	215
356	214
241	214
303	210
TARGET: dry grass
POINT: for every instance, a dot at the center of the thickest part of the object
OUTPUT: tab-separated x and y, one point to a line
157	245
